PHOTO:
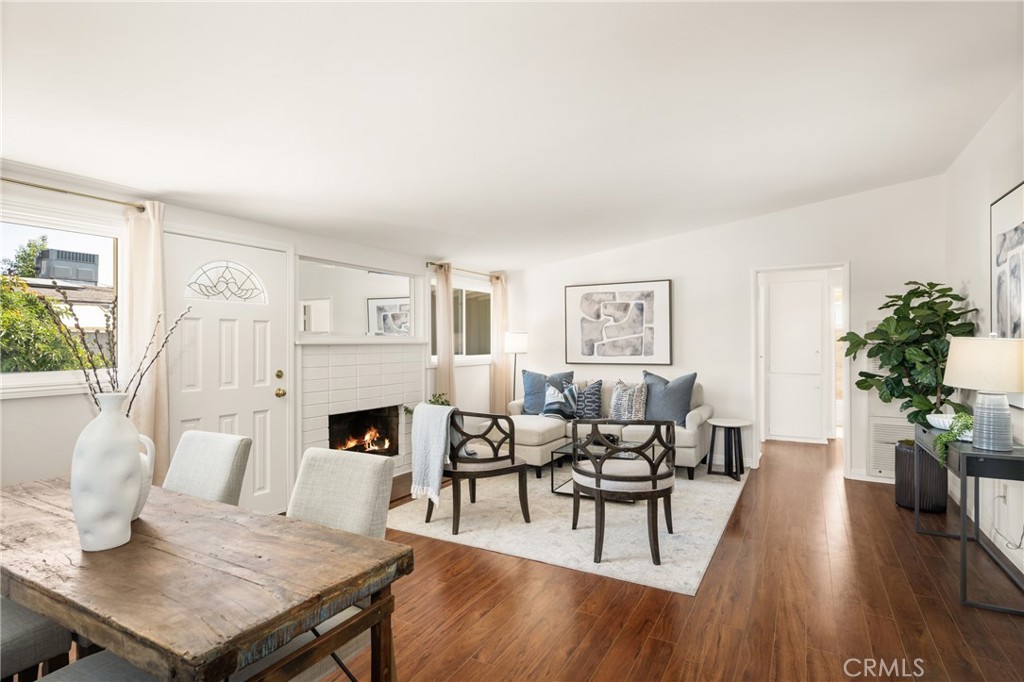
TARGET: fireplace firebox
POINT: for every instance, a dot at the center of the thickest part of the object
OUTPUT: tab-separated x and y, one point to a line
373	430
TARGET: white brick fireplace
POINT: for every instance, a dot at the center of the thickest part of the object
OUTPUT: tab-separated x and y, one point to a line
345	378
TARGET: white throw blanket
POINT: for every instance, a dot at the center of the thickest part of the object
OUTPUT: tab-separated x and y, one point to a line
431	441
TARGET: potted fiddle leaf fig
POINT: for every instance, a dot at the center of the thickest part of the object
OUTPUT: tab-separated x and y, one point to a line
911	347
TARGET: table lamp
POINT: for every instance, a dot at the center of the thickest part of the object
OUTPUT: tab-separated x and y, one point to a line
993	367
515	343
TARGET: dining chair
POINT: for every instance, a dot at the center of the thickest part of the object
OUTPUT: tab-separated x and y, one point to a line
624	471
489	450
347	490
209	465
28	639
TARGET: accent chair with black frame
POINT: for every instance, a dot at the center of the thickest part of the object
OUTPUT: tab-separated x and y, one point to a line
488	450
624	471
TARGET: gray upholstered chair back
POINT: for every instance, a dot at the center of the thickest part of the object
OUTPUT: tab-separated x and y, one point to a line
209	465
344	490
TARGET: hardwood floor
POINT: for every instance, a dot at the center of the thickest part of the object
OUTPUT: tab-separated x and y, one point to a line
813	570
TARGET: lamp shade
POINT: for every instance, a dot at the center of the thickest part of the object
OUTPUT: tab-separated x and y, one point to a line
515	342
985	364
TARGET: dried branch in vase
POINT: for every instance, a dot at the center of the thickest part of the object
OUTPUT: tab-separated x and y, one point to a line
103	353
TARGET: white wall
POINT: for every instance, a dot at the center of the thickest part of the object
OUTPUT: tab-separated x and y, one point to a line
987	168
472	387
888	235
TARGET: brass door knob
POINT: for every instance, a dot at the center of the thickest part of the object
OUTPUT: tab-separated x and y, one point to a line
280	393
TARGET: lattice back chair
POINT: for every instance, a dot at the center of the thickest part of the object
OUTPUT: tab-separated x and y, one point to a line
624	471
488	450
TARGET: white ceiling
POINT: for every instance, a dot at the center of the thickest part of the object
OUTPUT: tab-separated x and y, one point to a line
501	134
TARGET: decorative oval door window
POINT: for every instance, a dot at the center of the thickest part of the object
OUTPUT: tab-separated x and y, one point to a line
225	280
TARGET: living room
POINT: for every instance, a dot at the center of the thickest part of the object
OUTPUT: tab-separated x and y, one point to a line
703	144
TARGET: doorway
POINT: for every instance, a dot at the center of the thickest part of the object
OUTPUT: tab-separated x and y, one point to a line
800	368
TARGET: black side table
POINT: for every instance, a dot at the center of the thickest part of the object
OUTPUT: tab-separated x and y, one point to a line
733	445
964	460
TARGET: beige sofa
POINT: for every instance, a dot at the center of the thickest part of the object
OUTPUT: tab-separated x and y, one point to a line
537	435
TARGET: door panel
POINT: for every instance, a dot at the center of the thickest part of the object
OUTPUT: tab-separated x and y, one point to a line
222	364
796	372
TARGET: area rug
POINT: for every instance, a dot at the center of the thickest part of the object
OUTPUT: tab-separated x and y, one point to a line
700	511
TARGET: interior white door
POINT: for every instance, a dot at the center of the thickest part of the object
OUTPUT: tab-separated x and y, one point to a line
228	357
795	364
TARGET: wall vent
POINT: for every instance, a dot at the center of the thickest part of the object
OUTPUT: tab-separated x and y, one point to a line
885	431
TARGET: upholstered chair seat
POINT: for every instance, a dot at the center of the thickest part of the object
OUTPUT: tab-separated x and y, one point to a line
28	639
616	470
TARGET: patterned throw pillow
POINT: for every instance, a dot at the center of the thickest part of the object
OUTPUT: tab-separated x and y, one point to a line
560	404
628	402
588	406
535	386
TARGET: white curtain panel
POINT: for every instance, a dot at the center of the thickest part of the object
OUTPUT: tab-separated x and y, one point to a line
137	319
501	386
445	377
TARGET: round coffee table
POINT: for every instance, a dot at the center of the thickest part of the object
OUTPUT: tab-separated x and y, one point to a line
733	445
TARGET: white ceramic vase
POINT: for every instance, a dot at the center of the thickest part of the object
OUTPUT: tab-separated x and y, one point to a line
107	473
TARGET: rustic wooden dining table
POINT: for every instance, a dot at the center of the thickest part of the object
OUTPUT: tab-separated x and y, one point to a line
202	589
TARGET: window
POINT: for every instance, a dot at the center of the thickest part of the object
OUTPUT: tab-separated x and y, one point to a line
471	319
39	244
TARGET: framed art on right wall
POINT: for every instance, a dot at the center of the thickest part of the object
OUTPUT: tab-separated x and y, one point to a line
1007	256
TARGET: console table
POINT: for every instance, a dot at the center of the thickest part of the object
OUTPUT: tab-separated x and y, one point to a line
964	460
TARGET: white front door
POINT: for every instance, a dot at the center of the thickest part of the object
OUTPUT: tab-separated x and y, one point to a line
228	359
796	369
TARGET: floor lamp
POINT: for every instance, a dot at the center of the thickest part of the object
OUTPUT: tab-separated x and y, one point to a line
515	343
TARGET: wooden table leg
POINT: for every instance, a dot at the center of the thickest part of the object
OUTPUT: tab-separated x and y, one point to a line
382	646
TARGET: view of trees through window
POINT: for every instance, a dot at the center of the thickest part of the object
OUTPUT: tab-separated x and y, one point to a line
471	321
31	260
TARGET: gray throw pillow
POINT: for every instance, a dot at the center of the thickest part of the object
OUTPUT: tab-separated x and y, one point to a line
669	400
535	386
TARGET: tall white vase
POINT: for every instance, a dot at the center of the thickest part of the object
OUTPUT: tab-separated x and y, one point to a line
106	477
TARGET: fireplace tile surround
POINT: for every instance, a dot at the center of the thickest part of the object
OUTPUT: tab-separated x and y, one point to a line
344	378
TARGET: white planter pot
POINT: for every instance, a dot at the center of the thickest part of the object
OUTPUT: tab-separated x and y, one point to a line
106	477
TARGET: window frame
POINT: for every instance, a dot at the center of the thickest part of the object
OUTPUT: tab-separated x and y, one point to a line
464	283
101	221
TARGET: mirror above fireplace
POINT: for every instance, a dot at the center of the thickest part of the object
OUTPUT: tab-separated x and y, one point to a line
351	302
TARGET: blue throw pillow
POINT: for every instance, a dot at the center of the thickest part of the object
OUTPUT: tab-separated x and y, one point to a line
588	403
535	387
560	403
669	400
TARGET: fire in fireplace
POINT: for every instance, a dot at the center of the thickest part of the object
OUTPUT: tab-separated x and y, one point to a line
373	431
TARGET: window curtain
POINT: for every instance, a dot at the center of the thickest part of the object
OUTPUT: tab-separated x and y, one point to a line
501	386
145	301
444	381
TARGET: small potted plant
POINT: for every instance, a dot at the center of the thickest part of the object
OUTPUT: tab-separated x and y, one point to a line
911	346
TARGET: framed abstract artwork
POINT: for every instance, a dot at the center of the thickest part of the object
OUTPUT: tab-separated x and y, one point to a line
621	323
1007	256
388	316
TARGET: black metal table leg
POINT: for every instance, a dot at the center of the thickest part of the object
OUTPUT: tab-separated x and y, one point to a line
711	449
